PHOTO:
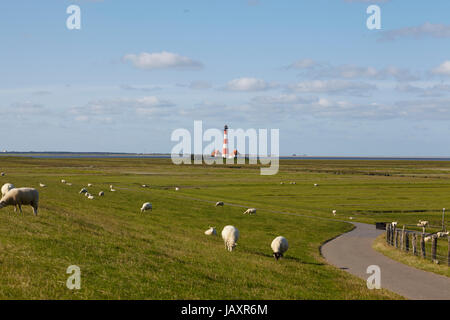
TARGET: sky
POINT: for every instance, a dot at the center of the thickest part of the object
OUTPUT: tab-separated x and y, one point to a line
138	70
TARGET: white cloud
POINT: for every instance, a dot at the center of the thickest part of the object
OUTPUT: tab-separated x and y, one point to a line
333	87
249	84
161	60
443	69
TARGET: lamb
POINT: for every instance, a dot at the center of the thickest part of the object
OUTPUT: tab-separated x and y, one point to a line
146	206
250	211
6	187
230	236
279	246
219	204
21	196
101	194
211	231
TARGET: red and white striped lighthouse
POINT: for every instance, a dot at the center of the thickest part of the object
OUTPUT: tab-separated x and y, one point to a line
225	142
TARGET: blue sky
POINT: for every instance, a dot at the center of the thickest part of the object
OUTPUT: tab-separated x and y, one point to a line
137	70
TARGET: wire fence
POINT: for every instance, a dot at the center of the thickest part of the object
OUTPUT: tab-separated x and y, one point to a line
429	246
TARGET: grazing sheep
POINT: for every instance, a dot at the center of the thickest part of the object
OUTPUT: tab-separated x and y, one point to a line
83	191
176	189
87	194
219	204
111	186
351	218
442	234
91	197
6	187
42	185
316	185
427	238
146	206
250	211
230	236
69	184
281	182
334	212
63	181
293	182
211	231
112	190
279	246
2	174
422	223
21	196
144	186
89	184
101	194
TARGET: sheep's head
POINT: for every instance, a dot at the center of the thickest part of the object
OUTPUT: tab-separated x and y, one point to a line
277	255
2	204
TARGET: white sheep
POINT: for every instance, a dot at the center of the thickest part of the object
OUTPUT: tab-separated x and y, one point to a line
279	246
293	182
219	204
21	196
2	174
112	190
422	223
442	234
394	224
144	186
176	189
281	182
111	186
89	185
211	231
87	194
334	212
83	191
250	211
68	183
146	206
230	236
6	187
316	185
91	197
101	194
63	181
351	218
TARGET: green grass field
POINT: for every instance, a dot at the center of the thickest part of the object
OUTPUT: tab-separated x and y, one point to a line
164	254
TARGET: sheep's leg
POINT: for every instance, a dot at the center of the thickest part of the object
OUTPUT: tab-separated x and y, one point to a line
35	209
20	209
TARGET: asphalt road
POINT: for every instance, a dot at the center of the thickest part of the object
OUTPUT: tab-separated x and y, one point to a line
353	253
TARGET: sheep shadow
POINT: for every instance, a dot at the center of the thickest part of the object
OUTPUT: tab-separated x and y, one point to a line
289	258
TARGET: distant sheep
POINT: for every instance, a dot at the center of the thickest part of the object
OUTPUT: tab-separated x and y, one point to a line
422	223
250	211
219	204
282	182
211	231
112	190
89	185
21	196
293	182
230	236
279	246
42	185
2	174
442	234
334	212
176	189
91	197
394	224
316	185
83	191
101	194
146	206
63	181
6	187
144	186
69	184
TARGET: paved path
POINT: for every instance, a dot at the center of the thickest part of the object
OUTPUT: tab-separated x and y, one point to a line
353	253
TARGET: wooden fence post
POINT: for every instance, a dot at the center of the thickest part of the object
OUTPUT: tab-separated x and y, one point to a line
402	239
433	247
414	243
396	238
407	242
448	255
387	233
422	245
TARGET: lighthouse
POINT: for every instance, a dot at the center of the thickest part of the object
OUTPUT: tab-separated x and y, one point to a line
225	142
